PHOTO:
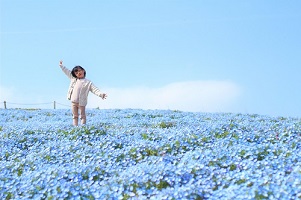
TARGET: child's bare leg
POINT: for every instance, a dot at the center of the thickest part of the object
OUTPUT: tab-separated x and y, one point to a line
75	113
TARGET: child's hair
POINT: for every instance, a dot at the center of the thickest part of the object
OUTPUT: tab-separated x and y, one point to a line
75	70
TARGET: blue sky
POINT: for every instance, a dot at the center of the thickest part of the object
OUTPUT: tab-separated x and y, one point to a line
197	55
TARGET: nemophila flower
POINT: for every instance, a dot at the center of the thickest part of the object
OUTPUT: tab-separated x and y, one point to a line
148	154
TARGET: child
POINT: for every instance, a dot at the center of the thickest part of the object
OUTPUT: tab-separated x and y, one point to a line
78	91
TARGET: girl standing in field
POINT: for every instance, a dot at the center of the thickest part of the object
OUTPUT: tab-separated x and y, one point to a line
78	91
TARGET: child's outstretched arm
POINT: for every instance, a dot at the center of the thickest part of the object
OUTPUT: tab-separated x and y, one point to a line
97	92
65	70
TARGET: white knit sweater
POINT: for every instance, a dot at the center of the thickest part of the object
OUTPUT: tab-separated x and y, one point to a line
87	86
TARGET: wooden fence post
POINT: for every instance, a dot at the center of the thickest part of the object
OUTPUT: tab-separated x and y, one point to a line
4	104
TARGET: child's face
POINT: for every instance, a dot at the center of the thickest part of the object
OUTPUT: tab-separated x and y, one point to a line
79	73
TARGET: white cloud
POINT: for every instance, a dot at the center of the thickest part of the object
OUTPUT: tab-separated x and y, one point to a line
198	96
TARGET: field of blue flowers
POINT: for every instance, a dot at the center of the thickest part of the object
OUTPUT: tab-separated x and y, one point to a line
148	154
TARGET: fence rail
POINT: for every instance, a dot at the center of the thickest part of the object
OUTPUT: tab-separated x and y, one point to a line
24	104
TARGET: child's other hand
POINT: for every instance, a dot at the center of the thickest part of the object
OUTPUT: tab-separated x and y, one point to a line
61	62
104	96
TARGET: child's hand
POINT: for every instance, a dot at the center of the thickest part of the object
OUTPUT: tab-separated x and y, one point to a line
104	96
61	62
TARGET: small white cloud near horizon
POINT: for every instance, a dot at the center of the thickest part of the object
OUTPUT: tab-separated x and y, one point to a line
194	96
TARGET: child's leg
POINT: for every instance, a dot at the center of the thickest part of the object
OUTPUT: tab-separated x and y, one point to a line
83	114
75	113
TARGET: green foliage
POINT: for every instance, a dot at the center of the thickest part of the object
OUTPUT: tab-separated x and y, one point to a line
140	154
262	154
166	125
9	195
294	144
78	132
151	136
48	114
242	153
260	196
233	167
240	181
154	116
222	135
20	170
235	136
144	136
205	139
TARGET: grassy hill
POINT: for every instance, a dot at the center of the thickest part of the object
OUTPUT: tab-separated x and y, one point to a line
148	154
